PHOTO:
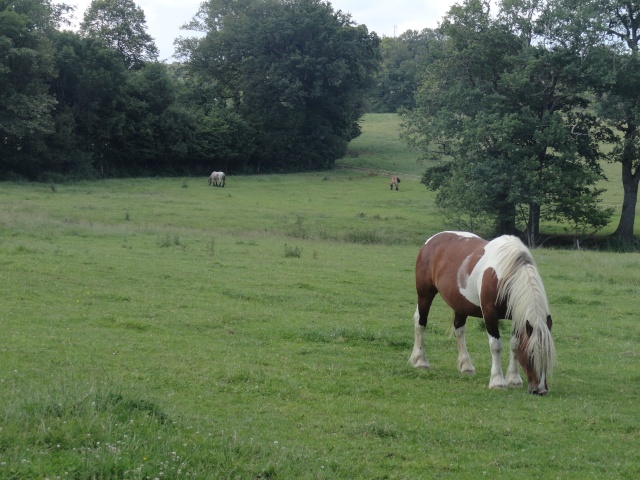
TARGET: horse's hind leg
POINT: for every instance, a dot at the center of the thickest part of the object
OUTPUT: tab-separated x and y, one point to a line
464	361
418	358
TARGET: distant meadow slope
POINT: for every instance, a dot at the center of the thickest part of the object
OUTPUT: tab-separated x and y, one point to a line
162	328
380	150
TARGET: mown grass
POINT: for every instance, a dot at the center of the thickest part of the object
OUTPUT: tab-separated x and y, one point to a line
160	328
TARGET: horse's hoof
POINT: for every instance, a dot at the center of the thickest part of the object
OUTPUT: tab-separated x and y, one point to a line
422	364
515	384
498	386
466	368
542	392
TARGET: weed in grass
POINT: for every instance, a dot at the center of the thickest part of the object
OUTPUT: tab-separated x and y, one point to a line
169	240
367	237
298	229
292	251
323	234
164	242
251	243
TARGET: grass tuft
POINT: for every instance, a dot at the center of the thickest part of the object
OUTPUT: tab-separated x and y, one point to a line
292	251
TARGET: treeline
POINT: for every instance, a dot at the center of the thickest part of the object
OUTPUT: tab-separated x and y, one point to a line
270	86
515	104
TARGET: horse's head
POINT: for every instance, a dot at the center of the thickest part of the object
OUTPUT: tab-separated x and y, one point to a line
536	355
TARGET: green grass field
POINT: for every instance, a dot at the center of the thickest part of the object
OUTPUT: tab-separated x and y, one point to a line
161	328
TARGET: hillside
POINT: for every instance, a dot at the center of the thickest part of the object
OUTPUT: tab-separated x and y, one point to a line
380	150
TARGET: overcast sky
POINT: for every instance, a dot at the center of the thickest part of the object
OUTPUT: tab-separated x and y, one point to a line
385	17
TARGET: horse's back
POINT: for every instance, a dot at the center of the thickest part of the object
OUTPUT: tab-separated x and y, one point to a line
444	262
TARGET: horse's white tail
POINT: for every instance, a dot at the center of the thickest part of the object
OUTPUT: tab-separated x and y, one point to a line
521	285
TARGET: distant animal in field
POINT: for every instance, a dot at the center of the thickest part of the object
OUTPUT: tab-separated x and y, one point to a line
394	182
217	179
490	280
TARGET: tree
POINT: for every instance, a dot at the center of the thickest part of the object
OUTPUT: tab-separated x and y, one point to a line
506	121
26	64
90	88
619	101
121	25
403	60
295	72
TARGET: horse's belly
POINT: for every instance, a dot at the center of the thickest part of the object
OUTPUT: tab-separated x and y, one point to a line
460	303
464	307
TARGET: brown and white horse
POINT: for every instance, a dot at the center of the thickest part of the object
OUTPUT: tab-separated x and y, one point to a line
394	182
217	179
491	280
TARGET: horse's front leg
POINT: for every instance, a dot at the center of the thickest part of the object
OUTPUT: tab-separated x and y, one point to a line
497	379
418	357
464	360
513	372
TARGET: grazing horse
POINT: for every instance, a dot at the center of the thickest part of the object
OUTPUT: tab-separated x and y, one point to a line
394	181
217	179
490	280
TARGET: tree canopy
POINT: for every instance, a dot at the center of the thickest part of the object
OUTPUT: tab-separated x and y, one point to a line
296	72
121	24
404	59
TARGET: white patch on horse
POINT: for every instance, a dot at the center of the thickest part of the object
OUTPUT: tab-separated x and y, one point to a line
460	234
470	284
463	281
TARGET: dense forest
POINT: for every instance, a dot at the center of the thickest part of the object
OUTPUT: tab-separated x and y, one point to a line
272	86
515	104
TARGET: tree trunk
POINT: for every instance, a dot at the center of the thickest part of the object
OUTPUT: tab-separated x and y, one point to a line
506	220
624	232
533	225
630	180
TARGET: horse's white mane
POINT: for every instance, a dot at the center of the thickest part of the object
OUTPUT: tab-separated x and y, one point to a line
520	283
